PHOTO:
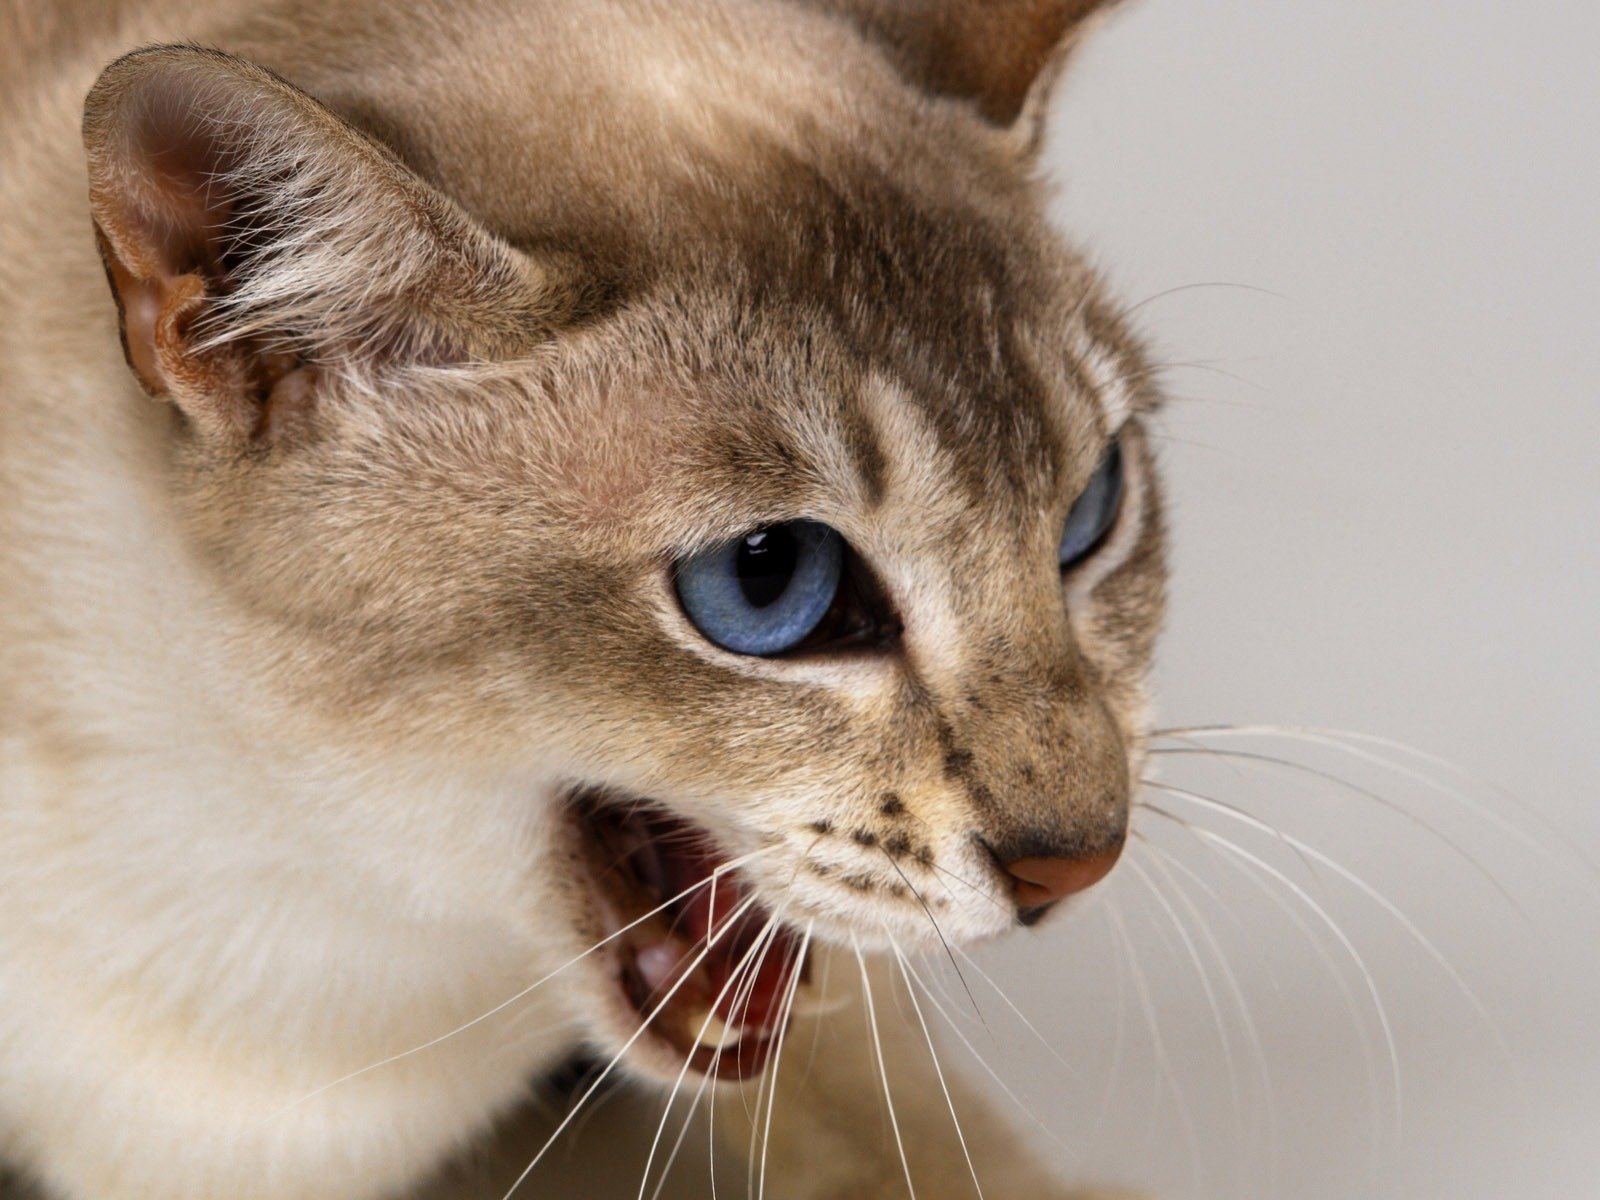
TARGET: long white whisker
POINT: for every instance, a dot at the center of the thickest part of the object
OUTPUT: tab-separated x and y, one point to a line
714	937
532	987
1163	1059
1341	739
745	998
711	1127
816	1026
957	1010
777	1057
1346	995
1305	898
683	1132
1119	1037
1288	764
1366	889
940	934
1164	863
937	1068
1193	954
688	1060
761	1085
981	892
1017	1012
955	1028
883	1070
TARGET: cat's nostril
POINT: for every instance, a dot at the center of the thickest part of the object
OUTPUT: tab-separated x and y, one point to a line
1038	882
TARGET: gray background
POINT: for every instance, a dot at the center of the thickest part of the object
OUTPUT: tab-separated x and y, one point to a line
1385	495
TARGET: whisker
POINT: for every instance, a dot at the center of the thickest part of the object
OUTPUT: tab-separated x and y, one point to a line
1205	986
711	1127
964	882
716	1062
1163	862
1017	1012
683	1133
655	1143
1159	1045
1342	739
958	1009
940	934
714	937
1356	881
777	1057
937	1068
507	1003
1347	997
1119	1037
740	1000
1305	898
816	1026
989	896
883	1070
761	1089
1367	793
1223	285
955	1028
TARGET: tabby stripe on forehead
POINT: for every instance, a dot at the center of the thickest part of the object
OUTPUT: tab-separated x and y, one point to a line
860	438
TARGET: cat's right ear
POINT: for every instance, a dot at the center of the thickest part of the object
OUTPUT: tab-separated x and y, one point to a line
1001	56
258	247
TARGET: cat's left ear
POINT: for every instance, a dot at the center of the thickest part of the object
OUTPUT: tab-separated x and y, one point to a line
260	247
1002	55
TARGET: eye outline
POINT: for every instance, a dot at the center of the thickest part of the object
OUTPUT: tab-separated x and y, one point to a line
857	616
1095	514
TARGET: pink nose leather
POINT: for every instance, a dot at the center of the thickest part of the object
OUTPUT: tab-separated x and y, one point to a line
1041	881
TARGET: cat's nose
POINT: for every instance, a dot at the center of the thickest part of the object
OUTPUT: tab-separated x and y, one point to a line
1038	883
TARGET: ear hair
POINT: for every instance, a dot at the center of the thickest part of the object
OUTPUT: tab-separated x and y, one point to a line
258	244
1003	55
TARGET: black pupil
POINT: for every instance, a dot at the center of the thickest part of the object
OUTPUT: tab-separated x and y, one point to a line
766	563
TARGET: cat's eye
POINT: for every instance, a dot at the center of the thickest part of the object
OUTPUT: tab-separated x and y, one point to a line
766	592
1095	510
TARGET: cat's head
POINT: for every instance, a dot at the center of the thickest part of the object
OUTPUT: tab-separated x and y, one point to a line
688	411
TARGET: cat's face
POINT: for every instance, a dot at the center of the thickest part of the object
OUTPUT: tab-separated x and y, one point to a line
484	568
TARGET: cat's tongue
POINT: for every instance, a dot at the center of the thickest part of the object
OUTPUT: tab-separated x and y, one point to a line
711	972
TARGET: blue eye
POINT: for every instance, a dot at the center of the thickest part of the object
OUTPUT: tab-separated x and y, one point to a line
763	593
1095	510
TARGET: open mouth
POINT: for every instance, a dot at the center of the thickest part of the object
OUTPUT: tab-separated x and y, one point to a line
700	963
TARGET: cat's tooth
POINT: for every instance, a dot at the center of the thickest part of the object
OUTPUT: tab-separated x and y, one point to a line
811	1001
714	1031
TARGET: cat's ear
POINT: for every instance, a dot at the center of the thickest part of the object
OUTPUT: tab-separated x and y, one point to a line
1002	55
259	246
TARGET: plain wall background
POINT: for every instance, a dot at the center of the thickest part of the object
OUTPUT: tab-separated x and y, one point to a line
1385	484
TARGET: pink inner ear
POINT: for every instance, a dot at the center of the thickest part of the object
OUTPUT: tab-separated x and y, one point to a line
183	211
141	309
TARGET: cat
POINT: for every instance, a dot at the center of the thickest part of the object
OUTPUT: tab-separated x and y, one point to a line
529	525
